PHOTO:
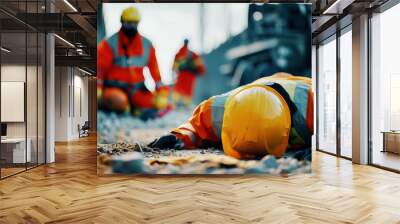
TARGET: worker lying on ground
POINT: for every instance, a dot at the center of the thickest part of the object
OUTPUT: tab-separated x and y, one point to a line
269	116
187	66
121	60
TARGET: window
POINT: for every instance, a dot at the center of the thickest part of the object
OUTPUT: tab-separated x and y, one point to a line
346	94
327	96
385	89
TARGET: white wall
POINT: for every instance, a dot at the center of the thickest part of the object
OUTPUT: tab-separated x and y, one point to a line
16	73
33	127
71	93
62	81
80	94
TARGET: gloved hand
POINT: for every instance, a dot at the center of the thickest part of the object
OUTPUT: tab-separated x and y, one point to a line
161	98
188	65
167	141
99	93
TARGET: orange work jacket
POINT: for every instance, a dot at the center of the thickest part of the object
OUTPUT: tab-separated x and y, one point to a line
120	62
186	75
205	125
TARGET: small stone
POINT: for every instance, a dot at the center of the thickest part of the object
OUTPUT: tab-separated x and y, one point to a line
269	162
128	163
256	170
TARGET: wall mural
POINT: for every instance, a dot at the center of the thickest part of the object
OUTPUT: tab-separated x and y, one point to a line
200	88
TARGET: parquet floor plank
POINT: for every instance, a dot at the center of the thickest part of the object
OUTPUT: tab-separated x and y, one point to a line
69	191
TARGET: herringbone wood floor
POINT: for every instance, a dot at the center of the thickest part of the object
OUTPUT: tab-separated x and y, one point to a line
69	191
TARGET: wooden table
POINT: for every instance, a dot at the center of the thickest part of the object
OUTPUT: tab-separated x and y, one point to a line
391	141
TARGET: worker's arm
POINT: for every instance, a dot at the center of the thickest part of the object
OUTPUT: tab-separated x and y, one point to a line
104	64
160	99
175	66
201	69
199	129
153	66
194	133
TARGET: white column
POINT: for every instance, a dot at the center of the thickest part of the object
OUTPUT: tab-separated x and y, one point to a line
50	98
62	104
50	92
360	90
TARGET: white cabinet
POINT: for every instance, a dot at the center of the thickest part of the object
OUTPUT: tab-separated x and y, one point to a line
16	147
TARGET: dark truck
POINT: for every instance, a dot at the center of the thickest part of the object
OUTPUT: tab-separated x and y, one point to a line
277	39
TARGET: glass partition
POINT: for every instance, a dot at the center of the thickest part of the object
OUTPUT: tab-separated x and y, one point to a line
15	151
22	90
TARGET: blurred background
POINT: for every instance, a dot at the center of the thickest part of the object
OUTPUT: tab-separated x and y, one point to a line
238	42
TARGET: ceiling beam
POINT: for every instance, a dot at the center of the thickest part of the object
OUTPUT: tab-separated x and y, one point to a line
82	61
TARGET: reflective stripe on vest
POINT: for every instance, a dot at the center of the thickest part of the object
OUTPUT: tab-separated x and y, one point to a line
187	132
130	88
132	61
298	94
190	135
300	133
217	112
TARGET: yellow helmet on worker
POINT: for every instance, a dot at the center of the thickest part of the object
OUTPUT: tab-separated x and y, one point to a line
256	122
130	14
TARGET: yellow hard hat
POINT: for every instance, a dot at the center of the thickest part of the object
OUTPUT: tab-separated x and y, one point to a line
130	14
256	122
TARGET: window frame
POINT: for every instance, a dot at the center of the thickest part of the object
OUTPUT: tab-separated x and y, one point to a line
333	37
379	10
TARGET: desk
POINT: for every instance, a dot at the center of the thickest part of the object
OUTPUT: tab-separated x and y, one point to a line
15	148
391	141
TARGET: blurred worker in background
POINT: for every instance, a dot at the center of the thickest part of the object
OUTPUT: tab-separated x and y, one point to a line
187	65
121	59
268	116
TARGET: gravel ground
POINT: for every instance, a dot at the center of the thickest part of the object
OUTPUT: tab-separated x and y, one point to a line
114	128
119	149
122	149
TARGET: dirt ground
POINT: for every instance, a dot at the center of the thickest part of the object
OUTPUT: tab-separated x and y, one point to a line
123	149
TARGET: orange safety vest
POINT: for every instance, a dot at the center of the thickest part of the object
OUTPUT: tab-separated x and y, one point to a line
205	125
121	61
186	77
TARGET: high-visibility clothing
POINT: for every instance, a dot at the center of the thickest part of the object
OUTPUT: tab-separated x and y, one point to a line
207	122
121	61
188	65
